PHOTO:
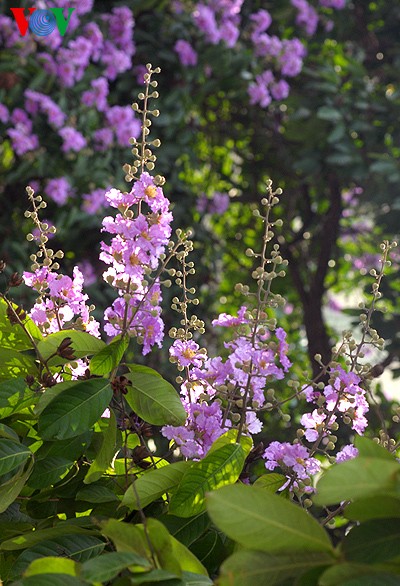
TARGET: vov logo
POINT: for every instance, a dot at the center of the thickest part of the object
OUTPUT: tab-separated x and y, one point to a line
42	22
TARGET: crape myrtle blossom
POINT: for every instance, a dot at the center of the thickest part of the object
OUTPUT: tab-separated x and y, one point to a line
251	362
62	301
346	453
295	462
135	248
187	55
347	397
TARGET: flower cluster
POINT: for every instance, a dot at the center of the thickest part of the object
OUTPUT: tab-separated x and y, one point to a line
231	383
91	56
275	58
134	252
61	303
295	462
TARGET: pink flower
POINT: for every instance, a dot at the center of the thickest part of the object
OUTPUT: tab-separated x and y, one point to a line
187	55
186	353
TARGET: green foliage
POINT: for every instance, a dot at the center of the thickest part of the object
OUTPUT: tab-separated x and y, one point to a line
259	520
154	399
218	468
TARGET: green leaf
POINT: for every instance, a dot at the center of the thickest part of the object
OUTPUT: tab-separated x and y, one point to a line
8	433
161	542
109	357
155	400
77	547
49	471
378	579
259	520
373	507
230	437
14	336
142	369
373	542
63	529
369	449
344	574
15	396
50	580
153	484
12	455
13	364
83	344
125	537
75	410
215	470
96	494
156	576
329	113
356	478
271	482
191	579
187	531
106	452
107	566
52	565
254	568
10	490
187	560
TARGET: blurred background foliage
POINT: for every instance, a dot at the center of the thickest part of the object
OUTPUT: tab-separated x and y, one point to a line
332	145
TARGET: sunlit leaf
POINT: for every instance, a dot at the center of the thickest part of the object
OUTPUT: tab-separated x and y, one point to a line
75	410
215	470
109	357
154	399
106	452
263	521
153	484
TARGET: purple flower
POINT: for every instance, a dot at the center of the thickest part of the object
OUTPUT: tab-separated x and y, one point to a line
22	139
116	60
295	461
306	17
226	320
186	353
262	20
121	24
36	102
202	428
93	33
347	453
280	90
204	18
88	272
229	33
103	138
187	55
94	201
266	45
123	121
259	94
4	114
73	139
336	4
283	348
98	95
58	189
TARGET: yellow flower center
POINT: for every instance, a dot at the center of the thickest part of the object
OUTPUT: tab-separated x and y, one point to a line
151	191
188	353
